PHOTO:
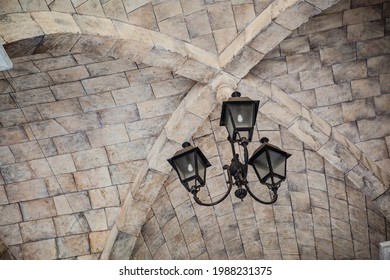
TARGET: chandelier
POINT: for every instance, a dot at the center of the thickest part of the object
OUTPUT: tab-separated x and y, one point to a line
268	161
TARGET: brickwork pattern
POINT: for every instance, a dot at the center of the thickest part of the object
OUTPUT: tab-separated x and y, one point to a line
319	214
337	64
84	136
71	146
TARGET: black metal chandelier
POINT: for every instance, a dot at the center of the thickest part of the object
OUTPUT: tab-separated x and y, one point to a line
268	161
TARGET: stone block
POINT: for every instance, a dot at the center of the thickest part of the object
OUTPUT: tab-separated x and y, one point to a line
158	107
148	75
338	54
34	96
12	117
40	250
146	128
37	230
133	94
323	5
110	67
26	151
321	23
69	225
61	164
96	219
22	69
333	94
347	71
376	149
74	245
220	15
12	135
54	63
11	30
98	240
62	205
105	83
88	159
6	101
374	47
167	9
295	15
70	74
365	88
31	81
269	38
93	44
332	114
10	214
46	129
117	115
378	65
124	172
198	24
71	143
295	45
358	109
300	202
329	38
365	31
3	196
10	234
144	17
96	102
301	62
92	179
104	197
244	14
27	190
17	172
107	136
129	151
385	82
382	104
78	201
362	14
175	27
38	209
59	108
270	68
374	127
80	122
316	78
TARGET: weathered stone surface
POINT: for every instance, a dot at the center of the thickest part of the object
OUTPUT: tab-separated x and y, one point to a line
268	38
373	47
378	65
80	122
78	201
10	214
11	31
27	190
316	78
38	209
34	96
129	151
93	178
36	230
96	219
16	172
357	110
61	164
363	14
107	136
365	31
74	245
333	94
349	71
321	23
104	197
301	62
40	250
88	159
365	88
68	225
46	129
105	83
370	130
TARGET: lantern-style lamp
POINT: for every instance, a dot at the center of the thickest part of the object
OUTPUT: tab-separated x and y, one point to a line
269	163
239	116
190	165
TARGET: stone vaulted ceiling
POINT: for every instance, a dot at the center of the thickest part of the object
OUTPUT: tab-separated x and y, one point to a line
101	93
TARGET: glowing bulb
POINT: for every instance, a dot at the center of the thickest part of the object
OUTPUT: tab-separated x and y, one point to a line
190	168
240	118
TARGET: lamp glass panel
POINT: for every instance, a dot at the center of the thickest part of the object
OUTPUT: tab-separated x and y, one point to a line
278	162
201	169
185	165
261	165
229	124
243	114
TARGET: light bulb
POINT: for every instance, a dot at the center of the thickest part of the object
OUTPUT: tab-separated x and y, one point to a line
190	168
240	118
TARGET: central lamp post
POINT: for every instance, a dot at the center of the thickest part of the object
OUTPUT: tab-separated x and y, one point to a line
268	161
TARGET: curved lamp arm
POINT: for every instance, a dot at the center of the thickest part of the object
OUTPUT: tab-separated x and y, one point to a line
273	200
230	185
